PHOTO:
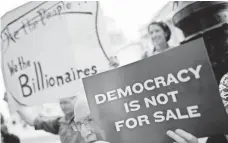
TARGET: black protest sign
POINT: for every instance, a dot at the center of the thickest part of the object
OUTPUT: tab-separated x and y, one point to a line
172	90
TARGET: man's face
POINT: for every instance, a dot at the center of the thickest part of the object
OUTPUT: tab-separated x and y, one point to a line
67	105
85	124
87	129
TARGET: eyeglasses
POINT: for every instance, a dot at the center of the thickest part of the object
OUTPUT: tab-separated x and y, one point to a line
78	125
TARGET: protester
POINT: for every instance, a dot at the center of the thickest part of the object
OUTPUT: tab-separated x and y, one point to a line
6	137
58	125
159	33
85	124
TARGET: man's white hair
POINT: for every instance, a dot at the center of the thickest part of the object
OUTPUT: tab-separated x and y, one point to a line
81	105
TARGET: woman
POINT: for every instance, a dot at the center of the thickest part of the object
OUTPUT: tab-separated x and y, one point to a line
160	34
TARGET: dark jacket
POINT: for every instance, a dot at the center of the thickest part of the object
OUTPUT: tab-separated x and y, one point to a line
217	139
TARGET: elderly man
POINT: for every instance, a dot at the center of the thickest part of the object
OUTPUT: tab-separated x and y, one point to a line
61	126
85	124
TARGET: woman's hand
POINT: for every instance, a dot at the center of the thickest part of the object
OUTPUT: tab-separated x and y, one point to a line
180	136
113	62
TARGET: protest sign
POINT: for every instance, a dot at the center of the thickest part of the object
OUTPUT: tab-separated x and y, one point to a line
175	89
48	47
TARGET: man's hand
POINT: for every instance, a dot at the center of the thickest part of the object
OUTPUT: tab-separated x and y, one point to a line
27	115
180	136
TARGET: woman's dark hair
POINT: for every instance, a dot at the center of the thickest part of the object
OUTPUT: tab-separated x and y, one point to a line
164	27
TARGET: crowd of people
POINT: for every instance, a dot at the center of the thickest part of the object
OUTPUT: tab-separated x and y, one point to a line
78	126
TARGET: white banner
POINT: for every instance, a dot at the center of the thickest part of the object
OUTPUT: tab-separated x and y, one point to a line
48	47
